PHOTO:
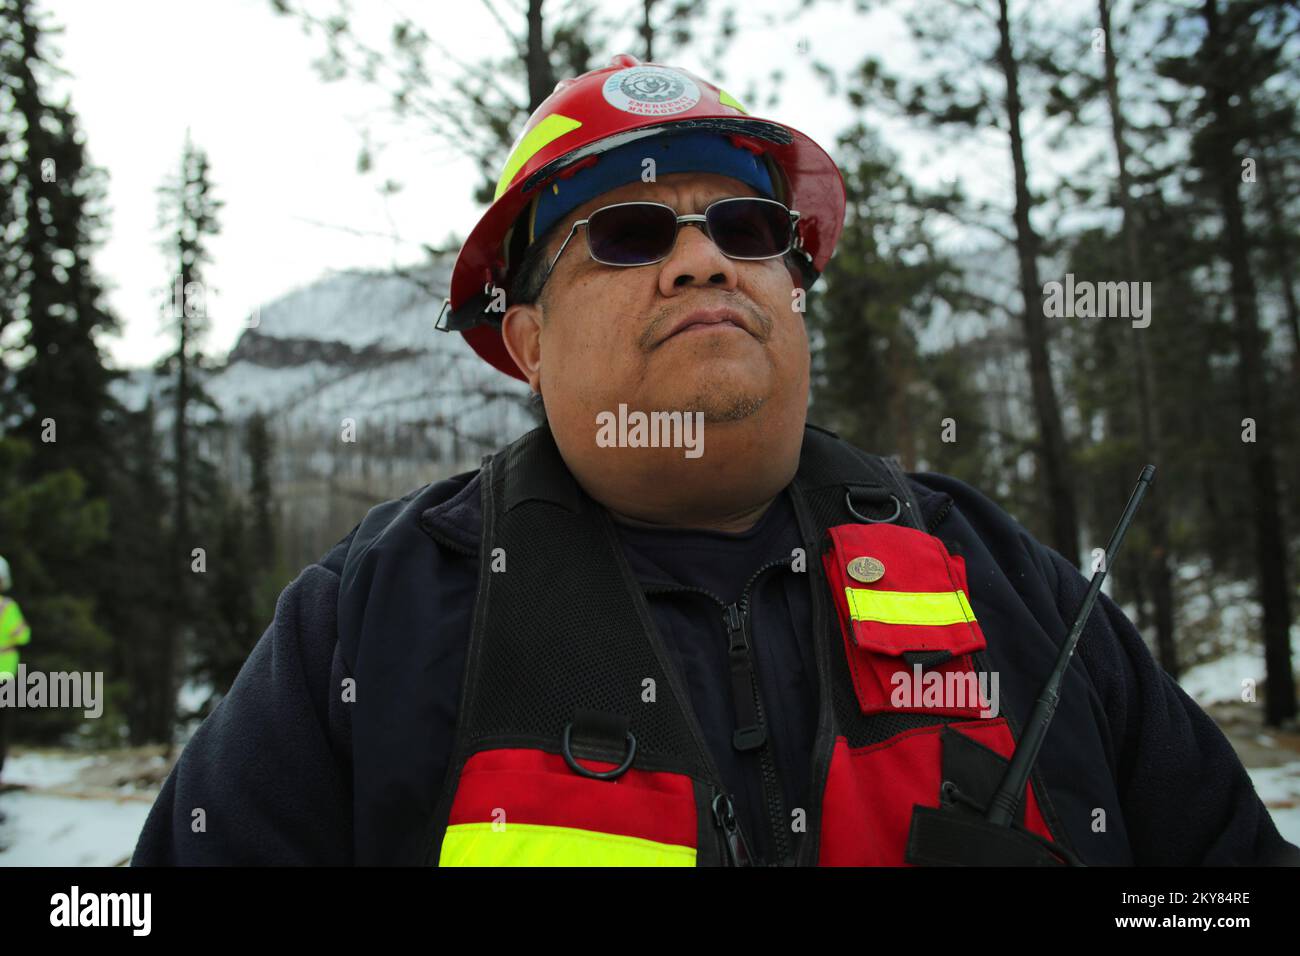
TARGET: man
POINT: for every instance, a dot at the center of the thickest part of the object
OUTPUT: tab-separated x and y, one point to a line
14	633
724	638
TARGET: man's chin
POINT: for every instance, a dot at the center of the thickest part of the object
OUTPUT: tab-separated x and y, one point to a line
718	406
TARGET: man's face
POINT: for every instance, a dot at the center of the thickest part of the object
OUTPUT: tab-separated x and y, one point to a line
603	335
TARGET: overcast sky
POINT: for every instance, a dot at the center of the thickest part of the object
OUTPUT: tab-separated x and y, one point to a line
283	144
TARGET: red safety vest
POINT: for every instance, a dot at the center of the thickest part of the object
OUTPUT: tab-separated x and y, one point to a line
576	743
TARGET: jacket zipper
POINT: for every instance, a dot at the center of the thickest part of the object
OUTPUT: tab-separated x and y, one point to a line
736	851
751	726
733	849
767	761
750	732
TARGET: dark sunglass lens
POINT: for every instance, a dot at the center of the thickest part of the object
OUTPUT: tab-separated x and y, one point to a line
750	229
631	235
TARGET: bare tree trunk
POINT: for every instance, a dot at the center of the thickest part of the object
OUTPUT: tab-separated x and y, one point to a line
647	31
1281	255
904	430
541	78
1270	541
1054	455
1157	558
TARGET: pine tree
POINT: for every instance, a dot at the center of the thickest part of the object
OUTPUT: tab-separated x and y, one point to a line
1233	56
226	625
258	447
870	377
189	212
46	526
59	396
54	385
138	579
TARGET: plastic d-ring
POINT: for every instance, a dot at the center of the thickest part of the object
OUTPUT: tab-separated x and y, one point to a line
597	774
898	510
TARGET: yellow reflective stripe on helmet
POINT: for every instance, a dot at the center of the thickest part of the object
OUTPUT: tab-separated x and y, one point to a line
909	607
726	99
534	844
547	131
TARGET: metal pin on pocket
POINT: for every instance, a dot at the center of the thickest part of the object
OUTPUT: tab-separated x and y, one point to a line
866	569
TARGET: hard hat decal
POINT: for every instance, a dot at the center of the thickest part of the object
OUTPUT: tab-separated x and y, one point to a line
547	131
650	91
726	99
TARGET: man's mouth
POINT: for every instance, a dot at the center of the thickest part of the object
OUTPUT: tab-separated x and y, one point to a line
709	320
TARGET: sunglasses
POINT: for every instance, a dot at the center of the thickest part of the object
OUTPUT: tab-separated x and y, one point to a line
641	233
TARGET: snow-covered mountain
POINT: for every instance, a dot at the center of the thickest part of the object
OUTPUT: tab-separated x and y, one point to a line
361	346
365	398
364	346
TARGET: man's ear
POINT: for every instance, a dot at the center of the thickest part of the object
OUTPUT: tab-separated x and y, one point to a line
521	329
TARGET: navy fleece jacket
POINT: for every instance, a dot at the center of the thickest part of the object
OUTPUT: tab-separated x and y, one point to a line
285	771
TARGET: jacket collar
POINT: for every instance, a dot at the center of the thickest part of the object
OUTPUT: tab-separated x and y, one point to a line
536	471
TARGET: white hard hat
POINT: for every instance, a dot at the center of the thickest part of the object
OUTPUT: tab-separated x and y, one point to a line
6	582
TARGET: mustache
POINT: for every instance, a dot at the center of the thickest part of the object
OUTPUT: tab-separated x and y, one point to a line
759	323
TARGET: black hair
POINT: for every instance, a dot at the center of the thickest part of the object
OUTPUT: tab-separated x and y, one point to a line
537	406
527	283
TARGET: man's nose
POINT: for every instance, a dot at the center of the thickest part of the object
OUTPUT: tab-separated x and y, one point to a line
696	260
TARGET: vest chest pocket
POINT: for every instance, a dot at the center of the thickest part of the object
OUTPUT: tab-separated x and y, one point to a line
906	619
518	806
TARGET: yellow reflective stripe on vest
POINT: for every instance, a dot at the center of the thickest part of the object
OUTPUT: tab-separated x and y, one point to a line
909	607
547	131
533	844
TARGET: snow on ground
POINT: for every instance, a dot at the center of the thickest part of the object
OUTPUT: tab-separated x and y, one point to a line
45	770
42	830
99	774
74	809
1220	680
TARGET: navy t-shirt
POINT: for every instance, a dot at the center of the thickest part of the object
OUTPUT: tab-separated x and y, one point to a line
669	561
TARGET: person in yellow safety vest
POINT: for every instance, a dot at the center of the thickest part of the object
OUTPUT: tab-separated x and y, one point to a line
14	633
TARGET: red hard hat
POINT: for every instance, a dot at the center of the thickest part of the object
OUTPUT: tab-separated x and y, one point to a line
599	111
